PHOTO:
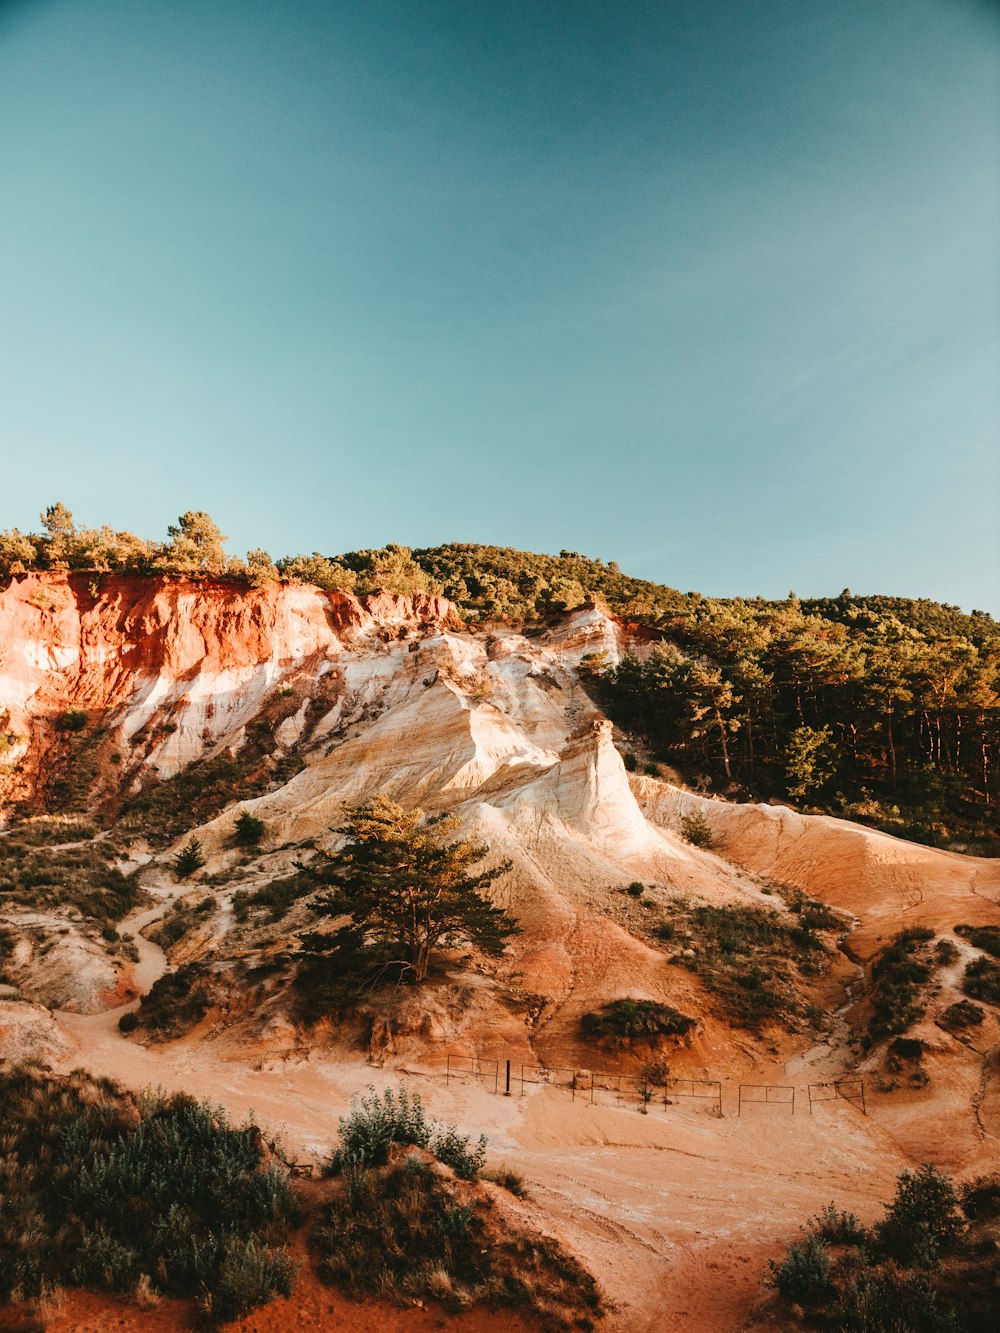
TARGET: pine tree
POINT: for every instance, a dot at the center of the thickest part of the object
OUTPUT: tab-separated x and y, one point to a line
189	859
408	891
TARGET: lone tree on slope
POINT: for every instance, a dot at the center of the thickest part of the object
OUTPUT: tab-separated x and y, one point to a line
408	892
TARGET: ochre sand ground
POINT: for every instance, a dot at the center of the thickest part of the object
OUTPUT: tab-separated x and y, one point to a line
675	1211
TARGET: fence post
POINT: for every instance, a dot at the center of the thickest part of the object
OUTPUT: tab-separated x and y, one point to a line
864	1109
739	1102
447	1073
507	1093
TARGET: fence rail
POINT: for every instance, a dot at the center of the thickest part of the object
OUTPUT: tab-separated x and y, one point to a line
851	1090
630	1088
472	1066
774	1094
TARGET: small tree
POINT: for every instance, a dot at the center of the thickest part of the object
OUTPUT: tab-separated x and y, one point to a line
695	830
189	859
249	829
408	891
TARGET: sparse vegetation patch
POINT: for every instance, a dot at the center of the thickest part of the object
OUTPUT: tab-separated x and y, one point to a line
753	959
36	871
899	976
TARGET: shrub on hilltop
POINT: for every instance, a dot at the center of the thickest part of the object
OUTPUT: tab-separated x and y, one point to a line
409	1220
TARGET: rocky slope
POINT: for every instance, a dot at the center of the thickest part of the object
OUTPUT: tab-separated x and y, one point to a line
136	713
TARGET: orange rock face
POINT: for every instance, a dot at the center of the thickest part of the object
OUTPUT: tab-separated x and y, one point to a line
125	648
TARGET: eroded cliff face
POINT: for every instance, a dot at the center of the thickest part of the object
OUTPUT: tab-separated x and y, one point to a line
167	667
327	699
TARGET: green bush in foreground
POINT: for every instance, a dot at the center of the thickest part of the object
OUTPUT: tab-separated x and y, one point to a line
921	1269
398	1118
101	1189
403	1225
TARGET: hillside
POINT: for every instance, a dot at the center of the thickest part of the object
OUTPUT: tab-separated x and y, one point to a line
730	939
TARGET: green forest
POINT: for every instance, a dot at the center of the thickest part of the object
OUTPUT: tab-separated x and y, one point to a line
879	709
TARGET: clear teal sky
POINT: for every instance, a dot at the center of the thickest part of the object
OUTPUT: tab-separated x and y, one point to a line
710	287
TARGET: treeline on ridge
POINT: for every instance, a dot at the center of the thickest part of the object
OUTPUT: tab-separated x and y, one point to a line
881	709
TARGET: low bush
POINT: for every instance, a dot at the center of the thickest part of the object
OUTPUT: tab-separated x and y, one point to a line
397	1118
982	980
963	1014
805	1274
881	1299
512	1181
176	1002
409	1229
74	719
643	1020
986	938
838	1227
275	898
101	1189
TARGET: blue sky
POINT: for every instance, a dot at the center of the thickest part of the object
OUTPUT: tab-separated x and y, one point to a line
712	289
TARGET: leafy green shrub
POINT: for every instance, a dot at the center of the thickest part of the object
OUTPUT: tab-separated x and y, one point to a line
805	1273
635	889
923	1217
696	830
838	1227
128	1022
982	980
99	1188
643	1020
376	1123
249	1275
